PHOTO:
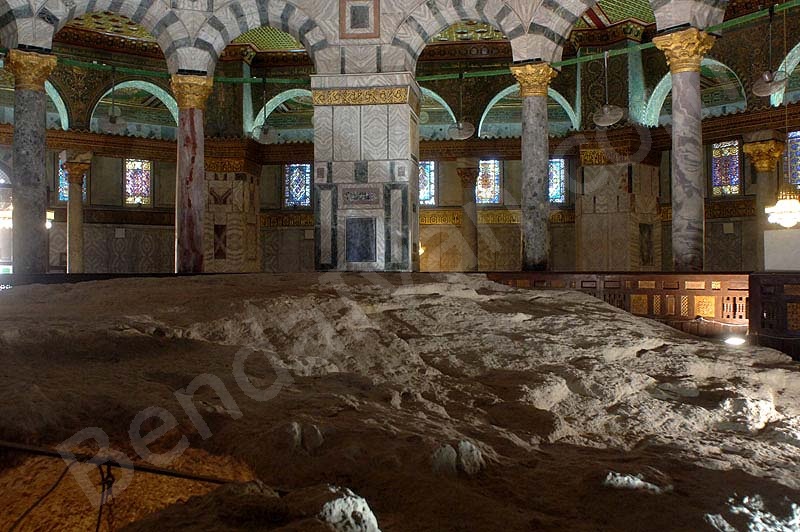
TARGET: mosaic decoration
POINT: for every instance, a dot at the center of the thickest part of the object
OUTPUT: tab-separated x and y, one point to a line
791	162
138	181
487	188
297	185
427	183
558	180
725	168
469	30
63	184
268	38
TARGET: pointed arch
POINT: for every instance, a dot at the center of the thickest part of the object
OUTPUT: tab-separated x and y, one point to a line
275	102
652	112
240	16
58	101
429	17
551	93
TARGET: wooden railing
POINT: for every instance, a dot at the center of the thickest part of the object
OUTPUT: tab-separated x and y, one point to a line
709	305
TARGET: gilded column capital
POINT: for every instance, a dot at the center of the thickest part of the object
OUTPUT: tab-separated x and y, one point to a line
765	155
684	49
468	176
76	171
30	69
534	79
191	92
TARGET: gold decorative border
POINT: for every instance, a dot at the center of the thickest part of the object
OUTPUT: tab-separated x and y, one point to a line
562	216
366	96
500	217
224	166
715	210
287	219
440	216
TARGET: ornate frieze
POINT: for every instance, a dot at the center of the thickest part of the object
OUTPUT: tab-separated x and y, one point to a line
534	79
684	49
191	92
440	217
287	219
30	69
499	217
224	166
562	216
365	96
715	210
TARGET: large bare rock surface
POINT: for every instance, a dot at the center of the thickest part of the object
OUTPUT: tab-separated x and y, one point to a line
446	402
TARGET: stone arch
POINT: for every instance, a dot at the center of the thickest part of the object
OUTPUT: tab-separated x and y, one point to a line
652	112
431	17
38	29
157	92
240	16
551	93
788	65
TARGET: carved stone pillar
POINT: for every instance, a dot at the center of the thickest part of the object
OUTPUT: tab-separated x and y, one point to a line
534	80
30	70
469	222
76	173
765	156
191	93
684	51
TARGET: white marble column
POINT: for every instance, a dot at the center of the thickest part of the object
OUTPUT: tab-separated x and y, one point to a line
76	174
191	93
29	218
534	80
468	173
765	156
684	51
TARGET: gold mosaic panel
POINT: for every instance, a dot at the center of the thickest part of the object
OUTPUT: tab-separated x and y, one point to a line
695	285
657	305
671	305
793	316
705	306
639	304
647	284
685	306
791	289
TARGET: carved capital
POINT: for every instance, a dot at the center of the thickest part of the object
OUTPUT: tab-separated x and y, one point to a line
765	155
30	69
684	49
534	79
468	176
191	92
76	171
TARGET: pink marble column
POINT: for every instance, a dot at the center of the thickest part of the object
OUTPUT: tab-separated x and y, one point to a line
191	92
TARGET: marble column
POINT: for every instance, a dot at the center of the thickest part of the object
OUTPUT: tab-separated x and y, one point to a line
684	51
76	173
191	93
30	238
469	221
534	80
765	156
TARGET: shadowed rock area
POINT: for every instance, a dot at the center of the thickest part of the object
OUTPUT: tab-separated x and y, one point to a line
398	402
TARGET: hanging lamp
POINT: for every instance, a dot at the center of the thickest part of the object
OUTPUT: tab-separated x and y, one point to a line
608	114
461	130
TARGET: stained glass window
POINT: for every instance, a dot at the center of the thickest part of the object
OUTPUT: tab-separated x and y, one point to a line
427	183
791	169
487	188
63	184
297	185
138	181
558	180
725	170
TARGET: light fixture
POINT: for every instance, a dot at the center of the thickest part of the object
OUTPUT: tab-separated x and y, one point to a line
770	81
461	130
51	215
786	212
421	250
735	340
608	114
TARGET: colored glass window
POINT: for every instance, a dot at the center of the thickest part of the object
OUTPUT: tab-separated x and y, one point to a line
427	183
298	185
487	187
725	168
138	182
792	158
63	183
558	180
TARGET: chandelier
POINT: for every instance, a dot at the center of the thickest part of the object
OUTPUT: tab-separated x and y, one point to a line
786	212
